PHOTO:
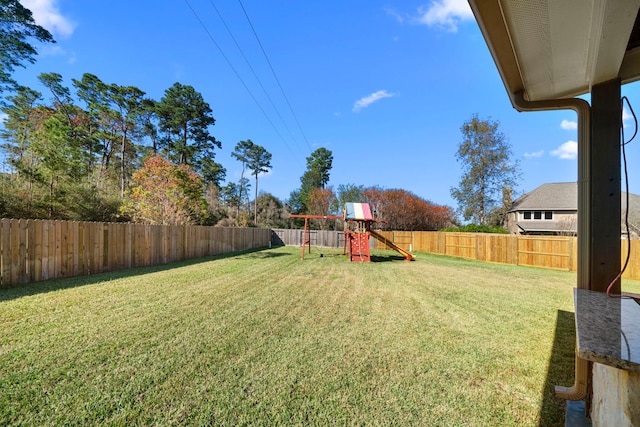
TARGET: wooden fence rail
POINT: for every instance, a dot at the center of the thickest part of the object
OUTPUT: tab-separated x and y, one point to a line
34	250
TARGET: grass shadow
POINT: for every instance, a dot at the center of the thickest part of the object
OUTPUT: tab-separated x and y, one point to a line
560	370
52	285
387	258
261	254
322	252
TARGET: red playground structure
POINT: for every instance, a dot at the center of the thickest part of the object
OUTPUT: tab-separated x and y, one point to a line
358	218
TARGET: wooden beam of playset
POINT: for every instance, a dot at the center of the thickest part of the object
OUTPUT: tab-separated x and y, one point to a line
306	239
316	216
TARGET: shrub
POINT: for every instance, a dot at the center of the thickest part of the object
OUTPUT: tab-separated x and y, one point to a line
477	228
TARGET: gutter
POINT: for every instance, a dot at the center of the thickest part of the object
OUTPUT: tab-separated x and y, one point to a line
578	390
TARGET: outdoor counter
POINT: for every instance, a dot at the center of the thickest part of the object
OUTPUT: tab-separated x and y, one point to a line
608	330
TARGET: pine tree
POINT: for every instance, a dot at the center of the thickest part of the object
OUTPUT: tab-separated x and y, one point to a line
17	27
485	155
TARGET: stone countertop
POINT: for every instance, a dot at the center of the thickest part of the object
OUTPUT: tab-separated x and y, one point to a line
608	329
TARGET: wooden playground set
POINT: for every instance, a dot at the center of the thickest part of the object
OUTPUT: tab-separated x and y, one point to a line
358	222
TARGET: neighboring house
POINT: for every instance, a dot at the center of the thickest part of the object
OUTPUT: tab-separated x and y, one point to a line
553	209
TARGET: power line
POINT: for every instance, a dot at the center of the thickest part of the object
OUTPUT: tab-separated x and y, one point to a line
274	75
252	70
204	27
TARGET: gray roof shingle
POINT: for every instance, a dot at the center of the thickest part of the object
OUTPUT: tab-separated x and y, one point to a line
553	196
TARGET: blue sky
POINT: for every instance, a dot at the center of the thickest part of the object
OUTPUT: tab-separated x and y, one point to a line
385	85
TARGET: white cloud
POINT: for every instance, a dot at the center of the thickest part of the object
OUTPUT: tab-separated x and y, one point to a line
533	155
569	125
368	100
398	17
568	150
3	117
52	50
47	14
626	116
445	13
57	50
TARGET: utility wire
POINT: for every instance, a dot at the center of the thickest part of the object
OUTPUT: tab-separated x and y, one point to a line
236	73
274	74
626	215
252	70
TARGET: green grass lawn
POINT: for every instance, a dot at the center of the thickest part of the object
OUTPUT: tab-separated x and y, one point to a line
264	338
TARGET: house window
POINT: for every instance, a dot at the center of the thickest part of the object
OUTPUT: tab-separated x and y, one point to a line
547	215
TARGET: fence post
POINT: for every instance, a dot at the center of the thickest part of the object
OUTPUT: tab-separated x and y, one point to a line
5	262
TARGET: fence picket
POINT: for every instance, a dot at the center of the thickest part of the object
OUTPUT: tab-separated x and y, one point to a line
5	253
37	251
51	250
23	264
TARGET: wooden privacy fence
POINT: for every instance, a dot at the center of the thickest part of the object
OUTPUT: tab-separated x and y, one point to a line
556	252
323	238
34	250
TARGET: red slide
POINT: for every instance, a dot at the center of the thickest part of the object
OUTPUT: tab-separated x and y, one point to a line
395	247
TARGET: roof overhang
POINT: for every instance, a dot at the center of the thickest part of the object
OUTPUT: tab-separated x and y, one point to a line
551	49
547	227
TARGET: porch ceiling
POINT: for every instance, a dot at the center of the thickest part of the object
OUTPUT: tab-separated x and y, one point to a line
554	49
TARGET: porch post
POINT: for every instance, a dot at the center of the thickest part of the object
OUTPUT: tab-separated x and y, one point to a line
606	116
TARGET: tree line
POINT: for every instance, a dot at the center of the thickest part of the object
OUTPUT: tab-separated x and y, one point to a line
117	155
395	209
73	153
100	151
